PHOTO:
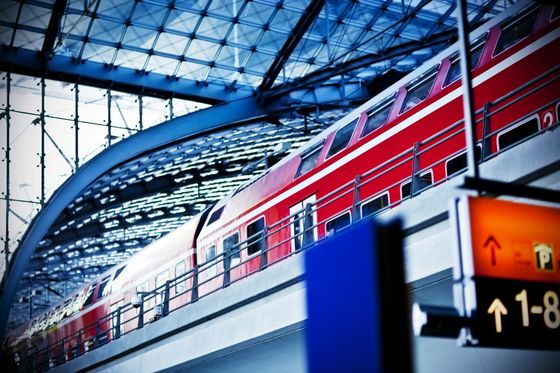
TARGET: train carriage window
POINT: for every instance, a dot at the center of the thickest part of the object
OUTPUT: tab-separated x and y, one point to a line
455	69
518	132
459	163
309	159
377	117
102	287
376	204
210	261
180	269
342	138
88	296
255	242
215	215
516	31
336	224
426	179
555	13
418	91
231	248
161	279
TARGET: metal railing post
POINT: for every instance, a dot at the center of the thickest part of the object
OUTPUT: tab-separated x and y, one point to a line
118	324
308	236
416	183
165	300
264	248
356	213
141	314
194	291
227	265
79	343
486	139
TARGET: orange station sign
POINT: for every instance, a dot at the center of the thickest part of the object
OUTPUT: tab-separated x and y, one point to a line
507	273
515	241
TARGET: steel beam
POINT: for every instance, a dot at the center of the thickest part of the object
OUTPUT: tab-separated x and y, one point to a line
43	130
7	152
306	20
67	69
321	75
53	29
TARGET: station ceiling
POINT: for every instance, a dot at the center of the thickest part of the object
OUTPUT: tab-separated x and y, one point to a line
297	65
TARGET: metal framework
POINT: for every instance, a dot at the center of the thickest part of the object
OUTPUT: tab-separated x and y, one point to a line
274	71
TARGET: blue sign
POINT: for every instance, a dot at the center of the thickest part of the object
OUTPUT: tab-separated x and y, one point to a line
343	330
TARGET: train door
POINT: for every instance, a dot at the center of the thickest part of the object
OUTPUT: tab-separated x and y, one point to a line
303	230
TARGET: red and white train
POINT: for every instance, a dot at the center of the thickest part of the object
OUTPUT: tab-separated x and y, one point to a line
406	139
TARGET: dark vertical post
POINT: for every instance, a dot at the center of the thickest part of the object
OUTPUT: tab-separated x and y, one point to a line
468	102
140	113
227	265
30	303
356	202
165	300
42	157
141	313
79	343
194	291
308	237
171	114
264	248
486	139
415	183
76	127
118	323
7	150
109	139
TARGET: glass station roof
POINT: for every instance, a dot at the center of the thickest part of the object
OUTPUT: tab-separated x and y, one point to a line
208	51
231	43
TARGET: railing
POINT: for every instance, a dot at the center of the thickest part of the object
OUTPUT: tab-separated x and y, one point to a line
159	302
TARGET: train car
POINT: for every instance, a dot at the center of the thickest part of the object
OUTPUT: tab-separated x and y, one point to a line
403	141
117	302
408	138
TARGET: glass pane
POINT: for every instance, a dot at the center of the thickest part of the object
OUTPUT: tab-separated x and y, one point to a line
405	189
180	269
418	93
231	246
518	134
101	292
375	205
455	69
516	31
377	119
338	223
255	243
308	161
342	138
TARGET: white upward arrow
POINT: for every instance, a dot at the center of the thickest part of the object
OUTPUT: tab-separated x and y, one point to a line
498	309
